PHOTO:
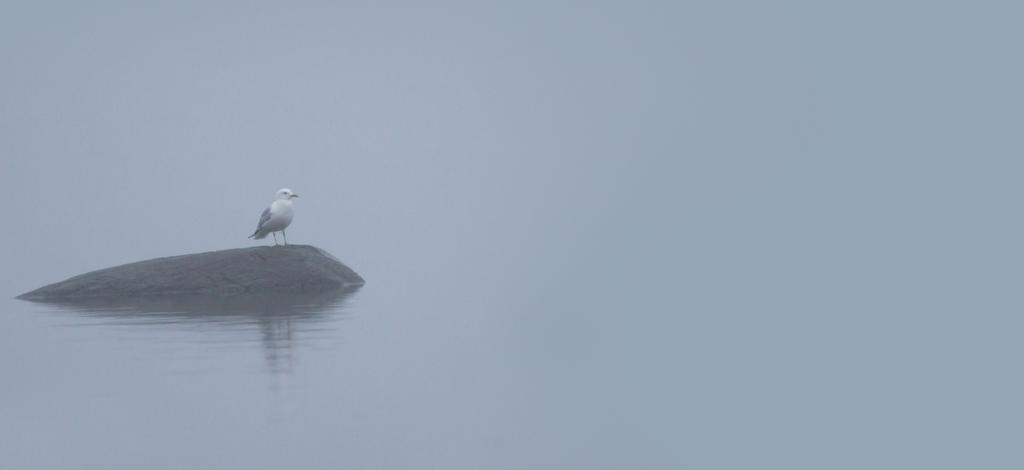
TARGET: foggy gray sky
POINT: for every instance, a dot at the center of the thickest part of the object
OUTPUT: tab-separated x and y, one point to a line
472	127
828	176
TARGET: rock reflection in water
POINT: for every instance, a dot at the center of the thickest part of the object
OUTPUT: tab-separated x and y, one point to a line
276	316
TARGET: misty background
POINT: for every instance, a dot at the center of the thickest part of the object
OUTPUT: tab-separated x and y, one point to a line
594	234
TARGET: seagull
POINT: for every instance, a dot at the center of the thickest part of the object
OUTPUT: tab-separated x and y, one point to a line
277	217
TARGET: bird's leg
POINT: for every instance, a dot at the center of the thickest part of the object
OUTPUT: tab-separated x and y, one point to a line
275	237
285	235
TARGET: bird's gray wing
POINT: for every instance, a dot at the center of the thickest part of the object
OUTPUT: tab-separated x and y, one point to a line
263	219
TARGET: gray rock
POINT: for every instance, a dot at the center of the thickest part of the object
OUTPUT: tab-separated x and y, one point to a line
257	270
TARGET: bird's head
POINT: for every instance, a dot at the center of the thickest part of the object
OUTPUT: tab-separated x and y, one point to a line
287	194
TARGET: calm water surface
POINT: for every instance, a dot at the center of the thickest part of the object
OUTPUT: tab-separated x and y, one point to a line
380	377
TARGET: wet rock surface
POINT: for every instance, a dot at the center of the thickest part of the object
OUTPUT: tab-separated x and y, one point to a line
263	270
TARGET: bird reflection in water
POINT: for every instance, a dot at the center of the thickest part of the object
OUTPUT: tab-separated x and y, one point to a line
276	316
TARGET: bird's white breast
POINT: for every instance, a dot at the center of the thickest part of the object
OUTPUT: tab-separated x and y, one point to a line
280	215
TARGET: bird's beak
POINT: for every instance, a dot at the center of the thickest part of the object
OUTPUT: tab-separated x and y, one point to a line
294	195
